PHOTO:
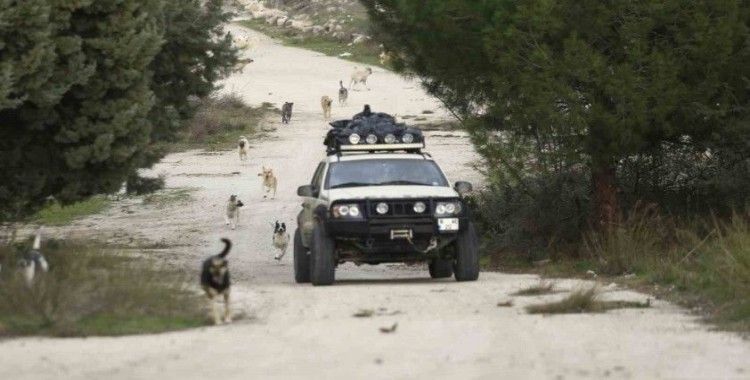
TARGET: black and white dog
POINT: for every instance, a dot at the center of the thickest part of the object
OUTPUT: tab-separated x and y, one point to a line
232	216
286	112
33	262
215	282
280	239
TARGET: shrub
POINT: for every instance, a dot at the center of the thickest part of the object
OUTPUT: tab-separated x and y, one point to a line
138	185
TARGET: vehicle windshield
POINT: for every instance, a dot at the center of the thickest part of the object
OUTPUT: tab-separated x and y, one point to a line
384	172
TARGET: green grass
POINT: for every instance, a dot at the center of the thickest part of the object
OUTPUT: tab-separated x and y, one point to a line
56	215
169	197
367	53
90	291
583	301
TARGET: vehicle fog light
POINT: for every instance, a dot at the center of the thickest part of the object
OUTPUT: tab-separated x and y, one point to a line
354	210
354	139
382	208
440	209
407	138
389	138
450	208
419	207
371	139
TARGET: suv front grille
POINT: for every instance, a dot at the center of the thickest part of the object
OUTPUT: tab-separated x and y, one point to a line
399	209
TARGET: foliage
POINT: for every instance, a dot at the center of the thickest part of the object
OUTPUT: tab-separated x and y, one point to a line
584	300
138	185
530	75
91	292
90	87
55	214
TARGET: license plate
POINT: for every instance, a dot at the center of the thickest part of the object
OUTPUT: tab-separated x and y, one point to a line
448	224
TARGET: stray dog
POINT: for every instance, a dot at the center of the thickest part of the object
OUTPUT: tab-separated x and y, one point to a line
286	113
280	239
232	217
240	65
360	76
343	93
325	103
244	147
215	282
33	261
269	182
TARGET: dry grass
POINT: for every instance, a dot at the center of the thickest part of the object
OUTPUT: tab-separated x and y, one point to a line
542	288
583	301
89	291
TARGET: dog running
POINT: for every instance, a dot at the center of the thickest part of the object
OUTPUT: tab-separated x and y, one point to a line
269	182
343	93
280	239
215	282
286	112
243	147
232	216
325	103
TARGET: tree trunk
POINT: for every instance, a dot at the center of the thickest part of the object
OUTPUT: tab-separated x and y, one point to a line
606	207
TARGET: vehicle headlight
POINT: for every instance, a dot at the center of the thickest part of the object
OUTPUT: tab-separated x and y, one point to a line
346	211
371	139
389	138
354	139
419	207
448	208
381	208
407	138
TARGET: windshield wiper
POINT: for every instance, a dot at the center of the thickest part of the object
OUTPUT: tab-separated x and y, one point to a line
351	184
404	182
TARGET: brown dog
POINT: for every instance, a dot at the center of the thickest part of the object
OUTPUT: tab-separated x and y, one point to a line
325	103
269	182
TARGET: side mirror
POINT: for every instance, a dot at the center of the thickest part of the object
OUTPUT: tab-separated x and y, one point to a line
463	187
305	191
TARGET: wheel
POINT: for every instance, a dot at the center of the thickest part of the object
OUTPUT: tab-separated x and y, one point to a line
322	265
440	268
466	266
301	260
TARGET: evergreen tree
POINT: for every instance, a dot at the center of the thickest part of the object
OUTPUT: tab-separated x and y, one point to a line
592	81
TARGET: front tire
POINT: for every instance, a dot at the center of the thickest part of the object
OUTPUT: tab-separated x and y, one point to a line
301	260
440	268
466	267
322	263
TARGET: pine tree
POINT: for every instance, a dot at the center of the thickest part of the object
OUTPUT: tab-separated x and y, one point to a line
594	81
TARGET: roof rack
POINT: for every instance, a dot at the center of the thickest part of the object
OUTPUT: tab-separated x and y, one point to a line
372	132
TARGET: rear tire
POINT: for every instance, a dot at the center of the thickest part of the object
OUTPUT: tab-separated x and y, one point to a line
322	263
466	267
301	260
440	268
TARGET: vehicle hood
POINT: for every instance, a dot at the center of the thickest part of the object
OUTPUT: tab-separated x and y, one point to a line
391	192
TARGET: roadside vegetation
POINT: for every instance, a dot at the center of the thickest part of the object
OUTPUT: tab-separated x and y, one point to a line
55	214
584	300
367	52
91	291
219	121
610	148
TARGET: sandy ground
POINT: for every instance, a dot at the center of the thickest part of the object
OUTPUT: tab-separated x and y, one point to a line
445	329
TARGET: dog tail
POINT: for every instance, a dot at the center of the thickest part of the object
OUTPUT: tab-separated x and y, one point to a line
227	247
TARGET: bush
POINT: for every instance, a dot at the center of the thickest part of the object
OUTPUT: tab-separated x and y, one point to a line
91	292
138	185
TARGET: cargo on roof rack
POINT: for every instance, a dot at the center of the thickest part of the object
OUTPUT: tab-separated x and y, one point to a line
370	131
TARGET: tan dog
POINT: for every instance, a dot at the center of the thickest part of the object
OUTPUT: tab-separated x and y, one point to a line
325	103
269	182
360	76
243	147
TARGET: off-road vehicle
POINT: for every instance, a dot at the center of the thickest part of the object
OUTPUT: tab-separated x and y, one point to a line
378	198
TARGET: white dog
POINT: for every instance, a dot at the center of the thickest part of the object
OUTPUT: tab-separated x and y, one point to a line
280	239
232	216
243	147
33	261
360	76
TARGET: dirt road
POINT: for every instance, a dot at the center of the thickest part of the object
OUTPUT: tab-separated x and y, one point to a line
445	329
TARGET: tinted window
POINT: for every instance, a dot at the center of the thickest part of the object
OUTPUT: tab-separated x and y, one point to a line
384	172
